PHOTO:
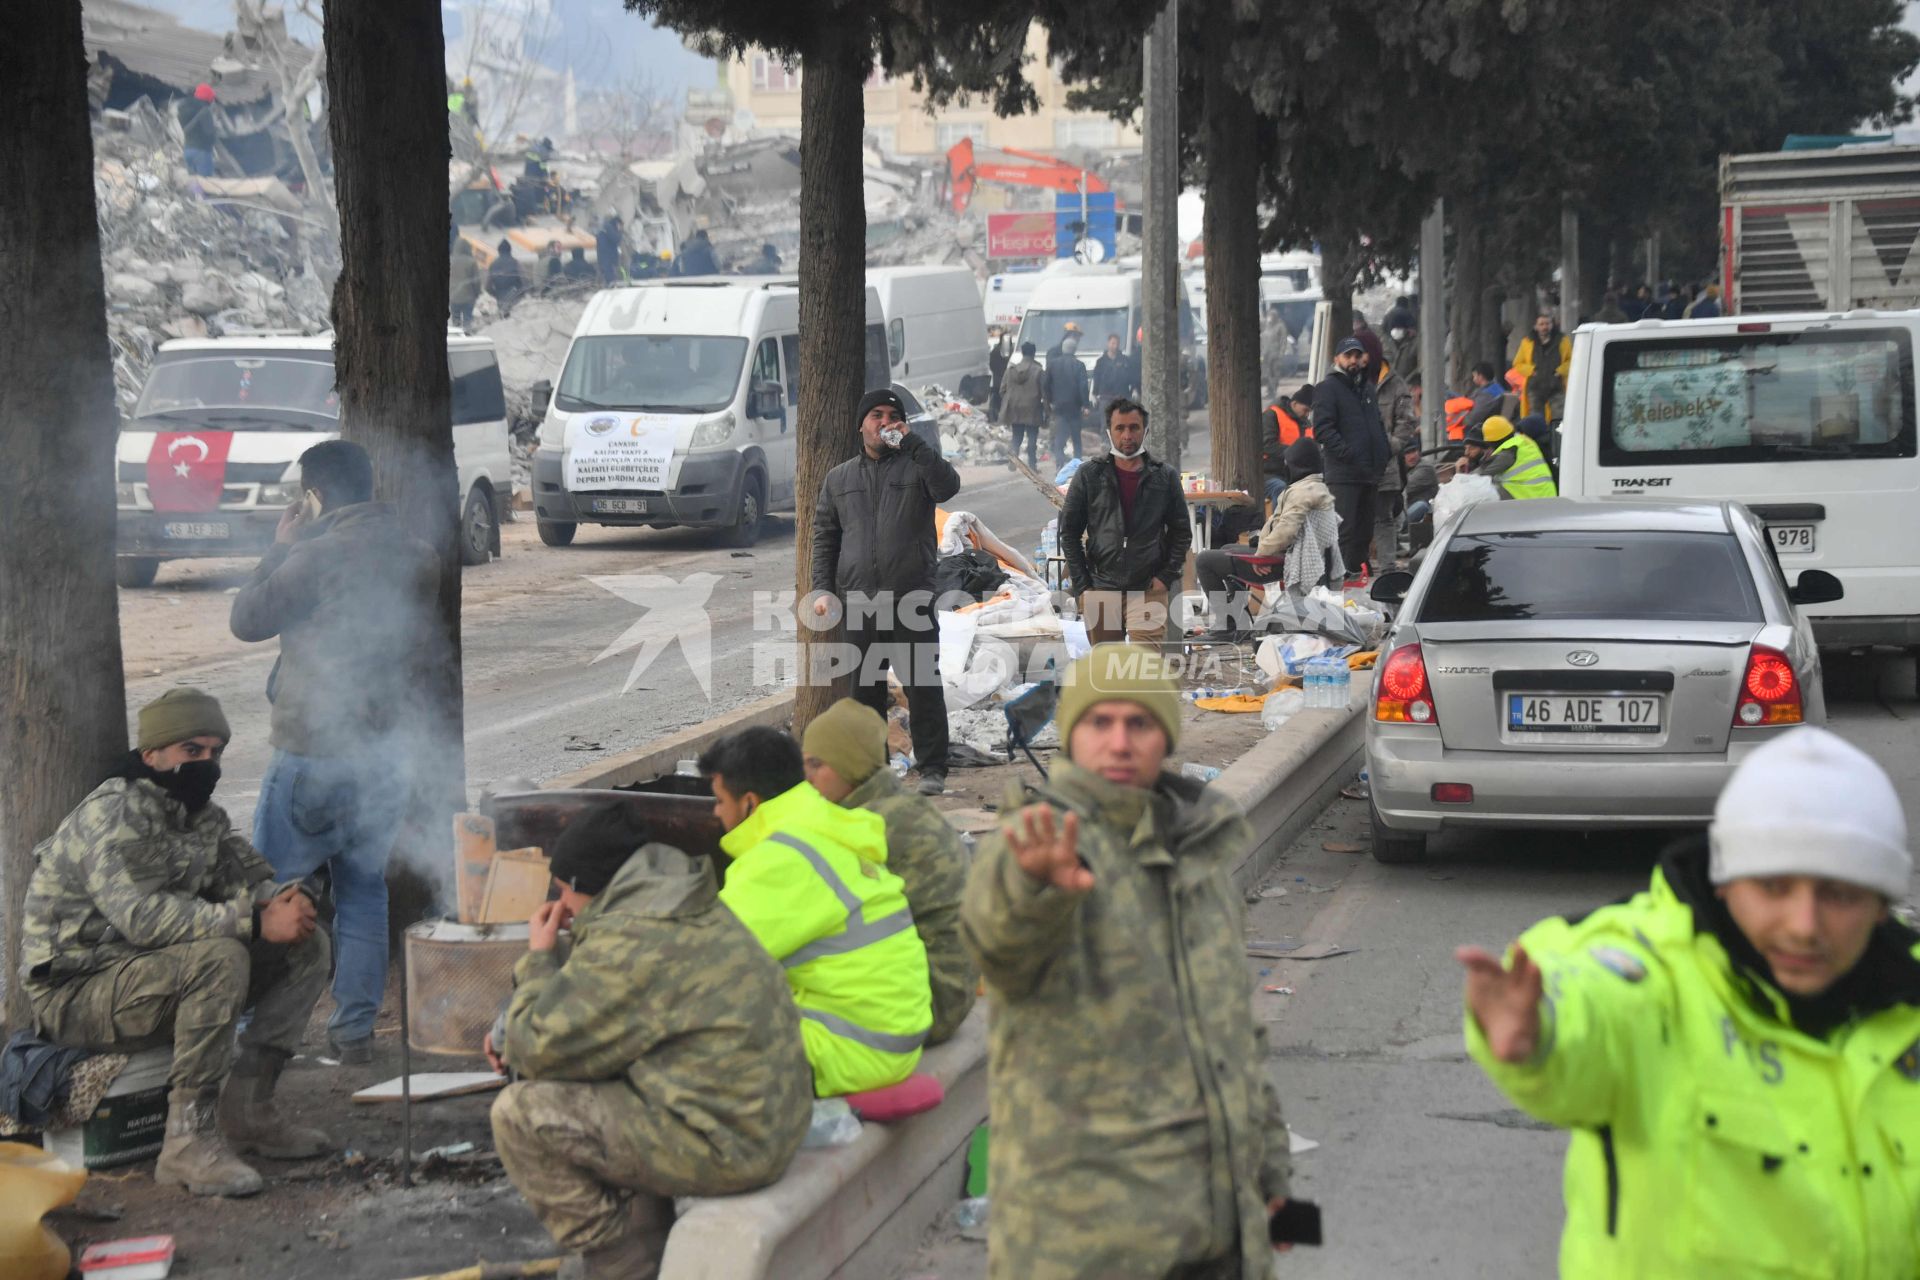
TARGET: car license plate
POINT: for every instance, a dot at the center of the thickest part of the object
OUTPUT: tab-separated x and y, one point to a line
191	531
1582	713
1792	537
621	506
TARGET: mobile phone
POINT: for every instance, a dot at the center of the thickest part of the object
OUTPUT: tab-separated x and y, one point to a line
310	503
1296	1222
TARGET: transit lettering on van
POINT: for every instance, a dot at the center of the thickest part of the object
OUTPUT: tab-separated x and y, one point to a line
1809	419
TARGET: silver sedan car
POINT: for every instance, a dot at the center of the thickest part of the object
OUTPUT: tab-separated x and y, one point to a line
1583	664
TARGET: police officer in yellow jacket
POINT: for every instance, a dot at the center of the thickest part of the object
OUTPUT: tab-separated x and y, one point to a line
810	881
1737	1049
1511	459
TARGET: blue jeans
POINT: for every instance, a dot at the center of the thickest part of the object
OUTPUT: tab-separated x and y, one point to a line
341	814
1275	487
200	162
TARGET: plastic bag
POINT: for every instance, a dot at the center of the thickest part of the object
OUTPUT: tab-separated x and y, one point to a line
1280	707
1460	493
834	1124
1065	474
1289	654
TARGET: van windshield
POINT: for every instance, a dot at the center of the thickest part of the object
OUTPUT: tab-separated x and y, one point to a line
243	391
1758	397
1044	329
664	373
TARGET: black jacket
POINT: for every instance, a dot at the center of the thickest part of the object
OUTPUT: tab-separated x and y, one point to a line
1107	553
873	525
1112	376
1066	383
1346	423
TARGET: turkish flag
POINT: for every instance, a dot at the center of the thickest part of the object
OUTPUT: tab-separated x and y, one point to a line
187	469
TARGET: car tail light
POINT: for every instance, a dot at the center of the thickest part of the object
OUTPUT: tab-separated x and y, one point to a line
1452	793
1769	692
1405	697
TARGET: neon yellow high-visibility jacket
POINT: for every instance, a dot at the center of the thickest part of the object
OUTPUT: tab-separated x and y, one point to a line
1528	476
810	880
1712	1138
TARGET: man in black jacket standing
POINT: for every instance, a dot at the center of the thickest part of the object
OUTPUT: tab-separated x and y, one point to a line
1067	395
1346	423
873	549
1125	533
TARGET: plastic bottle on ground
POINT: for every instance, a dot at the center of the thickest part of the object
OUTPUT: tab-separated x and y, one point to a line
1342	684
1281	707
834	1124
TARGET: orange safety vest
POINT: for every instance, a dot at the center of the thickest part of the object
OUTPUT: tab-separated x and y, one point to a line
1458	409
1288	431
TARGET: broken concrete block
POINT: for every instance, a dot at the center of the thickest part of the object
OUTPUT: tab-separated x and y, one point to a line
125	286
207	297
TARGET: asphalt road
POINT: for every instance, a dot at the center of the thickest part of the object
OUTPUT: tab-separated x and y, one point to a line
1424	1169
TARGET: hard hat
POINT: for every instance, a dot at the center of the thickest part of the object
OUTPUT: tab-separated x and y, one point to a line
203	92
1496	429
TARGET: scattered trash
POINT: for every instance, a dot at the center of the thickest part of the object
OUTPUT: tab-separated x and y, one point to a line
447	1152
1319	951
1282	707
139	1258
1278	991
1276	891
1199	772
1343	846
971	1214
1297	1145
1356	791
834	1124
576	743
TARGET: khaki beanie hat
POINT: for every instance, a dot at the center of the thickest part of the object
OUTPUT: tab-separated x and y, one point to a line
178	714
1123	673
850	737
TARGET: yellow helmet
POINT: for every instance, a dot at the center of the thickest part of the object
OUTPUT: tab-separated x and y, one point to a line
1496	429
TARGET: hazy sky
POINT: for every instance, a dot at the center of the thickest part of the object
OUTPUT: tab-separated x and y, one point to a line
603	41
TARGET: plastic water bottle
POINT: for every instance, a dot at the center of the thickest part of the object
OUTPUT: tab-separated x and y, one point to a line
1342	684
1312	678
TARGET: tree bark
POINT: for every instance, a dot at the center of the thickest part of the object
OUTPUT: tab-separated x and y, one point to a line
1232	232
387	118
65	722
833	255
1341	258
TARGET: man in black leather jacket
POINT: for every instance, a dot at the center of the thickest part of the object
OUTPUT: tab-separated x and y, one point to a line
1125	533
873	549
1347	426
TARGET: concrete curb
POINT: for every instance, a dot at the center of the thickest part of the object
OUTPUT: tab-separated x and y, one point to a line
1285	780
663	754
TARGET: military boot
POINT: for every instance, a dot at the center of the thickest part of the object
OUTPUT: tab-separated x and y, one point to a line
250	1121
194	1154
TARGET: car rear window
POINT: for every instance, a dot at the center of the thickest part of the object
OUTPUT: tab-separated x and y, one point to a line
1758	397
1683	577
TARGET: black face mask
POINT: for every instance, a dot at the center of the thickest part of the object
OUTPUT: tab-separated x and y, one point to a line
192	783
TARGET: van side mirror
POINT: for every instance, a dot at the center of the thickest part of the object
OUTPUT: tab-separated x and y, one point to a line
766	400
1816	586
1391	588
542	395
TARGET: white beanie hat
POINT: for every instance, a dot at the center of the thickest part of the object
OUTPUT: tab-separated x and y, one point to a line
1810	803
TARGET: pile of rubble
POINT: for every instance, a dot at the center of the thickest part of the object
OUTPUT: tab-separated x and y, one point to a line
187	257
967	436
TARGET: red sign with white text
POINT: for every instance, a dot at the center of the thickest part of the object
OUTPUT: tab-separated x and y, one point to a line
1020	235
187	469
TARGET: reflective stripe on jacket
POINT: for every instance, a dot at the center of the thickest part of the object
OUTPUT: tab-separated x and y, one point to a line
1711	1138
1529	476
810	880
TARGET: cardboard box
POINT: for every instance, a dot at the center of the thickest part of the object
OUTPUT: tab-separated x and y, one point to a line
129	1124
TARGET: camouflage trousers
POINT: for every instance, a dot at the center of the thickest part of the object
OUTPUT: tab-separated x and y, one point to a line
190	995
592	1177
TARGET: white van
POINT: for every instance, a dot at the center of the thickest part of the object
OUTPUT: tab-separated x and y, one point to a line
211	456
1103	300
1807	419
677	405
934	333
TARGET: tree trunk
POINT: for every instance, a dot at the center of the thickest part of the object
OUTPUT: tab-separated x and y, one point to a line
833	314
387	117
1232	233
1470	345
65	721
1341	258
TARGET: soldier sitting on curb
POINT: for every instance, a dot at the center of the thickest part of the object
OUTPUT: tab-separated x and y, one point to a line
810	880
1136	1133
846	759
148	922
660	1054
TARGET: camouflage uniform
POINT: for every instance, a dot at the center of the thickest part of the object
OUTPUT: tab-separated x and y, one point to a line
139	930
1136	1134
924	851
662	1058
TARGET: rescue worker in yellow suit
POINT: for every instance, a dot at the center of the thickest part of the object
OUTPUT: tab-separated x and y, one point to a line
1510	459
1736	1049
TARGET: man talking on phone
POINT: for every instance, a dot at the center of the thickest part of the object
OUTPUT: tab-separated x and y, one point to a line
873	551
1137	1134
353	598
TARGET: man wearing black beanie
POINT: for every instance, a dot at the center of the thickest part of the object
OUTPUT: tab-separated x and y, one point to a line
660	1055
873	550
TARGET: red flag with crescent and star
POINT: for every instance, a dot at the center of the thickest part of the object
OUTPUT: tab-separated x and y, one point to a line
186	470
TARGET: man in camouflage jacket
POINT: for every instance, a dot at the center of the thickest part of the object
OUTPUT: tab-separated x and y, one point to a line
148	922
846	759
1136	1134
659	1056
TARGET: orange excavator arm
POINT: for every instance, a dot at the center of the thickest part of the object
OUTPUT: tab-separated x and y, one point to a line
965	173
